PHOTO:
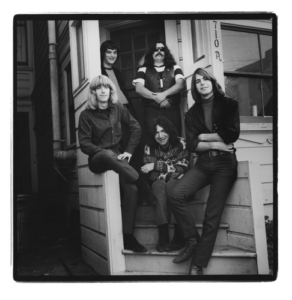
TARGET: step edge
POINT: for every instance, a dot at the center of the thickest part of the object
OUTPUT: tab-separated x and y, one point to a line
216	253
200	225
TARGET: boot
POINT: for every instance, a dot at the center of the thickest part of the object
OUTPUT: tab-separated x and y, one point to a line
188	251
177	242
163	237
130	243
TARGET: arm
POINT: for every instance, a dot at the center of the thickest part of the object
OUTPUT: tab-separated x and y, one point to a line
229	130
179	85
145	93
84	134
210	137
194	138
205	146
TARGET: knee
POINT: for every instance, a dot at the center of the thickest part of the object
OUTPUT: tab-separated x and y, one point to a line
158	185
174	195
131	188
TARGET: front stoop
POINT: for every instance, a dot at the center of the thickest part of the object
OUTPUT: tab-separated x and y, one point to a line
225	260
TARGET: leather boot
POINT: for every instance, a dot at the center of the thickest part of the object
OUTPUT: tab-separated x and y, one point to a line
195	270
163	237
130	243
177	242
187	252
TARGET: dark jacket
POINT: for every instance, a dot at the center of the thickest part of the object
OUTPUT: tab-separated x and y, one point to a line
97	132
121	82
226	122
152	83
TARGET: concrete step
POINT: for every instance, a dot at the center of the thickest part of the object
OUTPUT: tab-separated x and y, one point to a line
225	260
146	232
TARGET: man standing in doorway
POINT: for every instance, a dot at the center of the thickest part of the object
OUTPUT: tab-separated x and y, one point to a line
159	82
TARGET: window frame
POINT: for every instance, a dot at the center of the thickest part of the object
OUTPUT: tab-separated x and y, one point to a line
80	52
19	25
256	75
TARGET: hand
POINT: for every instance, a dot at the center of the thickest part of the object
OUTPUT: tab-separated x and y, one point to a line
125	155
201	137
147	168
224	147
160	97
165	104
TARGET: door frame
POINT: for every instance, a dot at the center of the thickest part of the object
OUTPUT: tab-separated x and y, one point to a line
25	106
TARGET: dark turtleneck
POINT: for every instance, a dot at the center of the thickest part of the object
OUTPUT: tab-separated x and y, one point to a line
207	105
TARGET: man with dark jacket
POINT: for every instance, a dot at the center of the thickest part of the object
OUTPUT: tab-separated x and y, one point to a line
99	133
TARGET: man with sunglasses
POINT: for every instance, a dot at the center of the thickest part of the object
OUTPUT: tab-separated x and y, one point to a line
159	82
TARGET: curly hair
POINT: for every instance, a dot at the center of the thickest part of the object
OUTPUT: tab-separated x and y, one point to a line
216	86
95	83
168	127
169	61
108	45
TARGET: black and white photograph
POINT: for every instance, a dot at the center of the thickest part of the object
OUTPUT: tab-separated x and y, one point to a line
145	147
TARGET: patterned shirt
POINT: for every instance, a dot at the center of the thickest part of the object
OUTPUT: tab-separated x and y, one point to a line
170	164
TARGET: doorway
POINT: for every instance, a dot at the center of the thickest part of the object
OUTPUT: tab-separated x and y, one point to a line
133	43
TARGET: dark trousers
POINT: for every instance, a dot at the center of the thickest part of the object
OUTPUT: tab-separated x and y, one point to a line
220	172
108	160
137	157
172	113
161	208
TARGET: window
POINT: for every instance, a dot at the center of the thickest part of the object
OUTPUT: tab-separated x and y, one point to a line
71	110
21	43
248	68
80	52
133	46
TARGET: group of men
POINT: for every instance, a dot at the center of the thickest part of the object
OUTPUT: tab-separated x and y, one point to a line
111	146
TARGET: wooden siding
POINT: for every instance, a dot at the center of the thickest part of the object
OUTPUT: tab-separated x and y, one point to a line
258	146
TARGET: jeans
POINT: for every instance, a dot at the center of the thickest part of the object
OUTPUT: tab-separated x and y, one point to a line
161	208
108	160
218	171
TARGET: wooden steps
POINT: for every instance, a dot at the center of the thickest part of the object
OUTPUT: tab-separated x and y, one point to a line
225	260
146	232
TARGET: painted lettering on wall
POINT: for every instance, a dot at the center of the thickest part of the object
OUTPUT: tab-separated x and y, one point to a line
216	42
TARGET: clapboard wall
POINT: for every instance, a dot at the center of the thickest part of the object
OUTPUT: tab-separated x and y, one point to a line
258	146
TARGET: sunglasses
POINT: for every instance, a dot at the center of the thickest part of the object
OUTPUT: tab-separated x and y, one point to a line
159	48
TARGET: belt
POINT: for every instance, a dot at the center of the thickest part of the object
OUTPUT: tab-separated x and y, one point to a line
211	153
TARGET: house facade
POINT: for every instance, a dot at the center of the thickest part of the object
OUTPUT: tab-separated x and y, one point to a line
56	61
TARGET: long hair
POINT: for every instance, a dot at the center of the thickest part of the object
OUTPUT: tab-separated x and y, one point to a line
95	83
169	61
108	45
168	127
217	90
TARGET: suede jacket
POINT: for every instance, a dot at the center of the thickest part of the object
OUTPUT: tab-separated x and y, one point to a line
97	132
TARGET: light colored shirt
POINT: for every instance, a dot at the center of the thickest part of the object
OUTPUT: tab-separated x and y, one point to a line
122	98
